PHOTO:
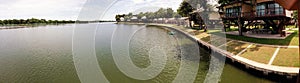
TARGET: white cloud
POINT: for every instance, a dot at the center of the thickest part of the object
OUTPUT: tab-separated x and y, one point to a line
138	1
126	6
49	9
71	9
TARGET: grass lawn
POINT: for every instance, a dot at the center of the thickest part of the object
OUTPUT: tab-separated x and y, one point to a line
206	39
235	47
232	29
202	35
290	40
287	57
258	53
219	42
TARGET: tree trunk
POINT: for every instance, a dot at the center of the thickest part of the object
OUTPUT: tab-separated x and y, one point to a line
190	23
240	26
280	28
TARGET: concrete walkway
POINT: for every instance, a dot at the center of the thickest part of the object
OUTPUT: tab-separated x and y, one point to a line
260	35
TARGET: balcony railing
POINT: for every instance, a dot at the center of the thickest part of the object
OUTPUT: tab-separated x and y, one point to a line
248	14
279	11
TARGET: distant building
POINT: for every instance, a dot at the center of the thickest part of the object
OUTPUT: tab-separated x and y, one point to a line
134	19
197	20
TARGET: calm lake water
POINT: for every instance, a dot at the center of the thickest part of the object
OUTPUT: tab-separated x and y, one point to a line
44	54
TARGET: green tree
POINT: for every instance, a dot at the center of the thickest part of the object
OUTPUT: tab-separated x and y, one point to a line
176	15
161	13
222	2
49	21
150	15
118	18
128	16
295	15
188	6
22	21
43	21
169	13
184	9
14	21
140	15
1	22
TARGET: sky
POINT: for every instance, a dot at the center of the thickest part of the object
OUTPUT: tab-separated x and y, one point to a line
79	9
47	9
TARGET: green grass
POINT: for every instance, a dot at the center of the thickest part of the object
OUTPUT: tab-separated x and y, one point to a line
258	53
290	26
219	41
232	29
235	47
290	40
206	39
287	57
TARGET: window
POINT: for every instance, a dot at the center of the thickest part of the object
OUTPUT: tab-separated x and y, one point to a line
260	10
233	12
278	9
268	9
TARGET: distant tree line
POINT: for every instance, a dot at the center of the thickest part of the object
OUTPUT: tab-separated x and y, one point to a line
33	21
95	21
106	21
161	13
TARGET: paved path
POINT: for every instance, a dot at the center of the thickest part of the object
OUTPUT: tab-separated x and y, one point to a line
267	67
274	55
260	35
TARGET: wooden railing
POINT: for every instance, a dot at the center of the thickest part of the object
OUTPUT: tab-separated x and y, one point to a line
248	14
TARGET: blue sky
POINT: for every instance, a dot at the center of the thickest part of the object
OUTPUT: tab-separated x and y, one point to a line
78	9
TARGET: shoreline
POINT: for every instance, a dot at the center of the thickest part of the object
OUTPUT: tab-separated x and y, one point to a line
261	67
288	72
21	26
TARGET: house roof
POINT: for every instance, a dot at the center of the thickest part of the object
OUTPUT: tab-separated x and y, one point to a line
235	2
289	4
134	17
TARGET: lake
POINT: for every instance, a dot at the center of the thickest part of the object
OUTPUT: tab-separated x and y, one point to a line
44	55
